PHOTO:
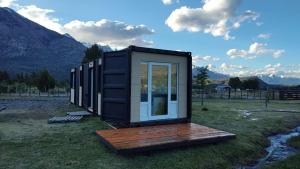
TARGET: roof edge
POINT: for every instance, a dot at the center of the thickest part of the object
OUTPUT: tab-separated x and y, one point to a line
158	51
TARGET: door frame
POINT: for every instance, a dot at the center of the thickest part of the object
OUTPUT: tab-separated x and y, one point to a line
169	115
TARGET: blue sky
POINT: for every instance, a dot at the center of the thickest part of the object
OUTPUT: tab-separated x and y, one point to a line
236	37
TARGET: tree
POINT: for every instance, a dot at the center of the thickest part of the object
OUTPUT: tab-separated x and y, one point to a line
235	83
201	79
4	76
20	78
92	53
45	81
33	79
251	84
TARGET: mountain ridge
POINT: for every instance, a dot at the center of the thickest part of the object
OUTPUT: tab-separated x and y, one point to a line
272	80
26	47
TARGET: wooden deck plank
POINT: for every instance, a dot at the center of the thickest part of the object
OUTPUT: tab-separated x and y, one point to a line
160	136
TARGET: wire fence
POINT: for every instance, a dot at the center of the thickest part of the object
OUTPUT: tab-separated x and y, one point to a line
33	91
237	94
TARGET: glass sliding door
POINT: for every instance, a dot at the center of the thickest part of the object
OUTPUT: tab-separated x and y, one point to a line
159	90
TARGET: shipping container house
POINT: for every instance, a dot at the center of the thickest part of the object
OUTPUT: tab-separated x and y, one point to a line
139	86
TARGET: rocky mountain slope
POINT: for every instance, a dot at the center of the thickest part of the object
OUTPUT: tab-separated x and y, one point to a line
26	46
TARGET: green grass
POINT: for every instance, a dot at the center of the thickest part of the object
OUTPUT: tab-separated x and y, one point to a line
27	141
295	142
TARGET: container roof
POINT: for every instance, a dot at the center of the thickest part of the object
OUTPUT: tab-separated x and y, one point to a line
158	51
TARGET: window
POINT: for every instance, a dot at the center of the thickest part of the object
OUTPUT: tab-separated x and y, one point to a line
144	82
174	82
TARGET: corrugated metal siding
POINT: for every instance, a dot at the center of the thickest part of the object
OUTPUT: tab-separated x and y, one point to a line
95	90
115	87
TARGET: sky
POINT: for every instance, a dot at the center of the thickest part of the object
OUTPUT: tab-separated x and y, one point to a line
235	37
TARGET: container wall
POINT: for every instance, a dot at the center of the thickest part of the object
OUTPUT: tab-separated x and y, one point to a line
85	86
140	57
115	87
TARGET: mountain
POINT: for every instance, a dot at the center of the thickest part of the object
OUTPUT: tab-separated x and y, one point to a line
262	84
212	75
278	80
264	80
26	46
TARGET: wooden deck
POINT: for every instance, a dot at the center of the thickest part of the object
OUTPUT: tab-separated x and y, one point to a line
139	139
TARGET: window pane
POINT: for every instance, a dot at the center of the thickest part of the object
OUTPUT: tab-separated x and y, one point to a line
159	90
174	82
144	82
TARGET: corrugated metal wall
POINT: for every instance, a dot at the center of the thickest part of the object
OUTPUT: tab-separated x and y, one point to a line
115	87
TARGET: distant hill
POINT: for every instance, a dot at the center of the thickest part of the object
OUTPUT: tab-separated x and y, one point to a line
262	84
271	80
213	75
26	46
277	80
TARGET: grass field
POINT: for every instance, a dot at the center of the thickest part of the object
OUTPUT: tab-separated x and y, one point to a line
27	141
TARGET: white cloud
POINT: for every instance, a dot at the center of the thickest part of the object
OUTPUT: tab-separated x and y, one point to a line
205	58
6	3
247	15
167	2
264	36
225	66
269	70
114	33
255	50
216	17
259	23
41	16
211	66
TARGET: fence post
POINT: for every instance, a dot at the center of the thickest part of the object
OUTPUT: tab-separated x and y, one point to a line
259	94
241	94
